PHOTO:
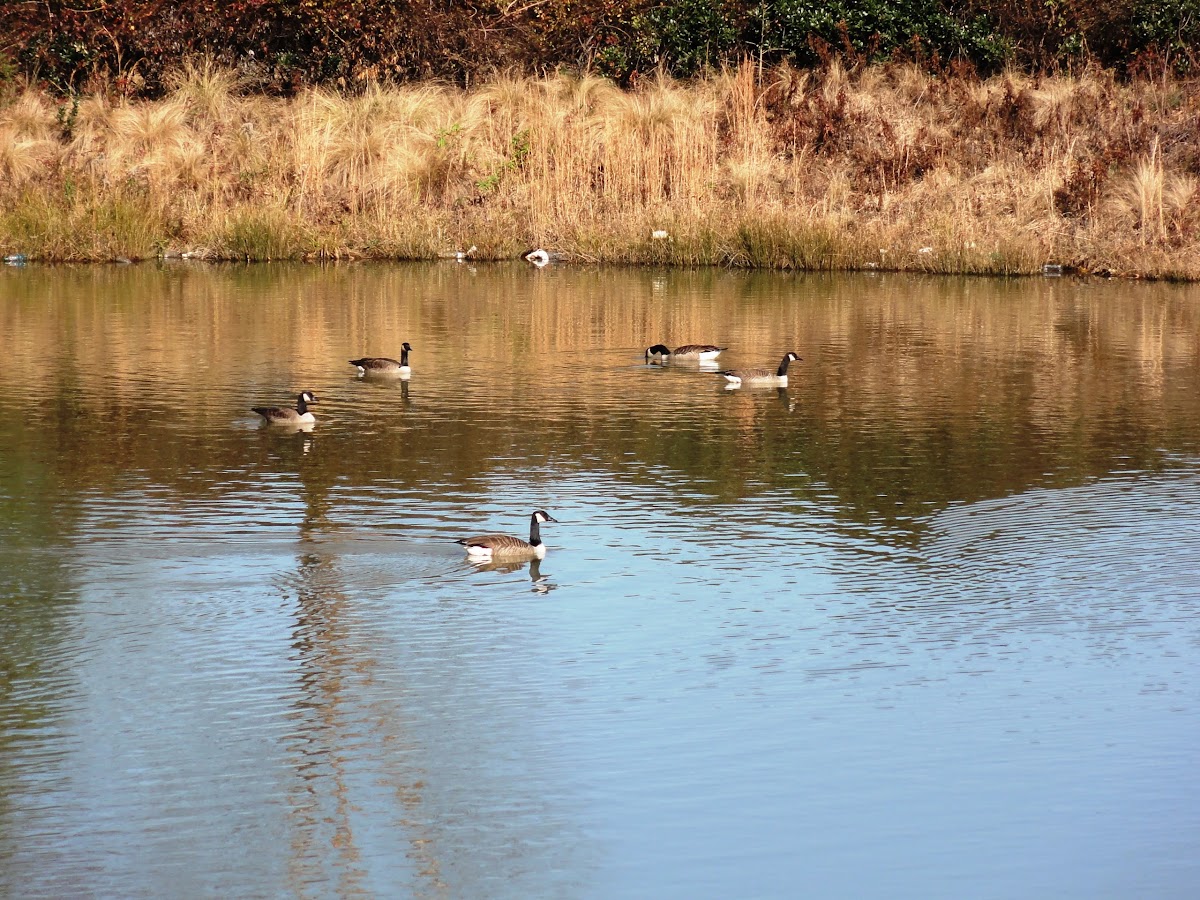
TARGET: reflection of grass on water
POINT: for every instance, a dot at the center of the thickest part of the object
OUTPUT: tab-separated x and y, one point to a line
886	168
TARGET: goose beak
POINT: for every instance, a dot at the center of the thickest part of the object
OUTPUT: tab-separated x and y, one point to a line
550	518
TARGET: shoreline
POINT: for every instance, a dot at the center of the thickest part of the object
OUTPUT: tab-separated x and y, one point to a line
884	169
1048	271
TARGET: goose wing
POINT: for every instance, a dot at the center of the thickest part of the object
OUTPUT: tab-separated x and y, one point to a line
751	374
276	413
376	362
497	543
697	349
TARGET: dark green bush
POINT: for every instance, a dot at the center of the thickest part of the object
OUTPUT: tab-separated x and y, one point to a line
804	30
1170	30
282	44
685	37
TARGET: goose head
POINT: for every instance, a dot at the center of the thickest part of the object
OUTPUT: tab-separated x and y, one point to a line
541	516
657	349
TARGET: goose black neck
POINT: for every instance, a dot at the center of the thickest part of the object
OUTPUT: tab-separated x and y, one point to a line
783	366
535	531
404	356
301	406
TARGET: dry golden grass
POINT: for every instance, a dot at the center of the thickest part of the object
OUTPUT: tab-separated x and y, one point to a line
29	115
887	167
22	159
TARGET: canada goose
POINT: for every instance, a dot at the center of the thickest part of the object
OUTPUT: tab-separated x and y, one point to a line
761	376
687	351
490	546
459	255
383	365
285	415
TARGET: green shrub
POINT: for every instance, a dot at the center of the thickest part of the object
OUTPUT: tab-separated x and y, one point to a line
804	30
686	37
1169	29
281	45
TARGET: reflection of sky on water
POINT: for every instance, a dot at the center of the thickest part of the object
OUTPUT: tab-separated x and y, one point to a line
743	698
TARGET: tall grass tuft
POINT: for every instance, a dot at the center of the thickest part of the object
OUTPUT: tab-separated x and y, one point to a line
260	235
205	87
779	244
84	225
23	159
1143	195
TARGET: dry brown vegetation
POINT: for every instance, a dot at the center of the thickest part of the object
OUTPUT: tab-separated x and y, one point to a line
886	167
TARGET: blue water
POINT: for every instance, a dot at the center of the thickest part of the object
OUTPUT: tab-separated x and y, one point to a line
925	624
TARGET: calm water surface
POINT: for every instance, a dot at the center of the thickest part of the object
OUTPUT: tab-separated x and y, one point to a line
924	624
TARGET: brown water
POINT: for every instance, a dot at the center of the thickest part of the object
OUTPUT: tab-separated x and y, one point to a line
924	623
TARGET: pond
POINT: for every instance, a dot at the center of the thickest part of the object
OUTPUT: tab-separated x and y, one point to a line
924	622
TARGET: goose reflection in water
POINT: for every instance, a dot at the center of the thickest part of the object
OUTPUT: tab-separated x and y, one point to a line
695	365
385	384
541	582
756	397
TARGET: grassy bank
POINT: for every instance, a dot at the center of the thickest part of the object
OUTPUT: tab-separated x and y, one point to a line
884	168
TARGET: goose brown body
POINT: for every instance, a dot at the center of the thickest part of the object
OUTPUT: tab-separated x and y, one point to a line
707	350
497	543
286	415
757	374
778	376
686	351
384	365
